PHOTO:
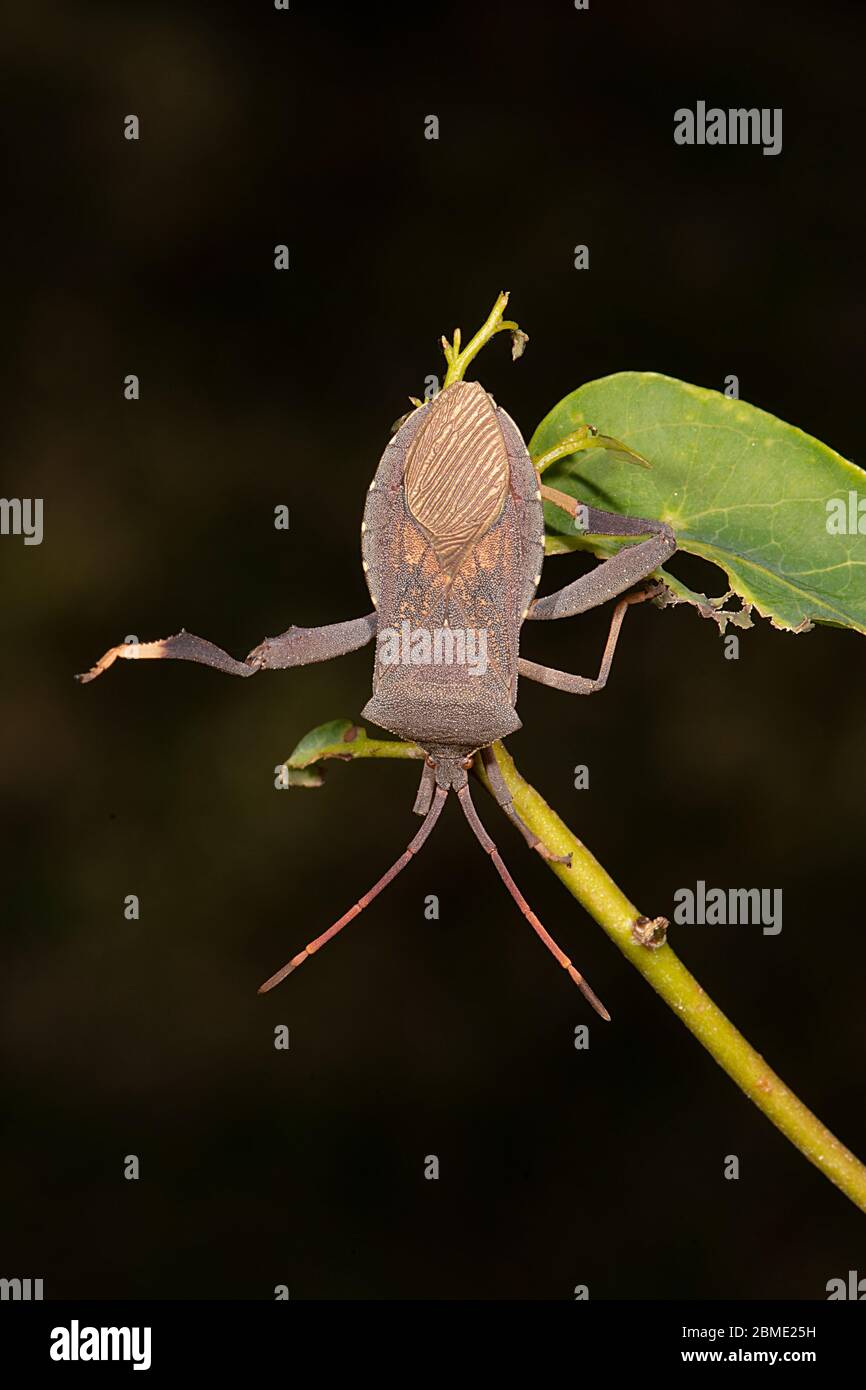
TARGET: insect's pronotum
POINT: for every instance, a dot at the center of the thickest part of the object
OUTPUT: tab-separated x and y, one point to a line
453	546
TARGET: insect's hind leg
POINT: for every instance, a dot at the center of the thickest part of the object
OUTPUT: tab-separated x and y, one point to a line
612	577
504	799
184	646
298	646
302	646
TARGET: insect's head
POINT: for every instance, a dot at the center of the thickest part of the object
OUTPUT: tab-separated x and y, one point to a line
450	765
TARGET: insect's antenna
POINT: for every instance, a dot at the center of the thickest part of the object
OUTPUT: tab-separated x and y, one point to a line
429	821
486	843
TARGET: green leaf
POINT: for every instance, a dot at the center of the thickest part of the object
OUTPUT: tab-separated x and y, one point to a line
303	777
340	739
739	487
323	741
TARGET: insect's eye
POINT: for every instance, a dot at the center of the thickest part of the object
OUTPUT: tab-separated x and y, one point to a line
430	761
467	763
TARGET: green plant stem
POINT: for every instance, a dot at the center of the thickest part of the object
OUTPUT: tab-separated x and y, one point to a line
458	361
586	437
572	444
595	890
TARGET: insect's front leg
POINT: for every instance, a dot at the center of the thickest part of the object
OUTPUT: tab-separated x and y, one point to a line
298	646
425	790
499	787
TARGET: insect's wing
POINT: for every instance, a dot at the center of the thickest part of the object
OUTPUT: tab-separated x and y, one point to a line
457	472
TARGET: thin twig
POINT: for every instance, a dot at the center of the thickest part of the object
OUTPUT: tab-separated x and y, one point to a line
641	941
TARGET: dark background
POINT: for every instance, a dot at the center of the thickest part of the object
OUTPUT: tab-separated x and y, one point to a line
408	1037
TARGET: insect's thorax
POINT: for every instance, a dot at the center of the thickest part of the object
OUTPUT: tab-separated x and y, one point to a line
452	544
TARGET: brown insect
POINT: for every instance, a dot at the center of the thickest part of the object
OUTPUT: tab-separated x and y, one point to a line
453	547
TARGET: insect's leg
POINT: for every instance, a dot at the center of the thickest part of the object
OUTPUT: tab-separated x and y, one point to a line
425	790
503	796
184	646
297	647
301	646
412	849
488	845
612	576
584	685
